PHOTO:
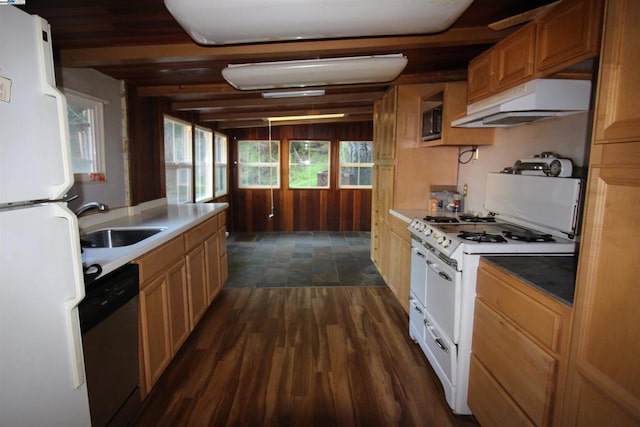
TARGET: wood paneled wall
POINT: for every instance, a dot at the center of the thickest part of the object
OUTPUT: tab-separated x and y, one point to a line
298	209
145	124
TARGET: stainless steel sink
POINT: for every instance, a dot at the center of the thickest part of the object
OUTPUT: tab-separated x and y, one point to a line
117	237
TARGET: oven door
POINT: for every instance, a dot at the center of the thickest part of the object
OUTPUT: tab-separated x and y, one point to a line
443	301
418	278
443	356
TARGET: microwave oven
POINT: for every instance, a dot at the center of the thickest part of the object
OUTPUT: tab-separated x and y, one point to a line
432	123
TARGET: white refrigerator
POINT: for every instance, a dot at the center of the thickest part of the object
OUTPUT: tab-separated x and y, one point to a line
42	380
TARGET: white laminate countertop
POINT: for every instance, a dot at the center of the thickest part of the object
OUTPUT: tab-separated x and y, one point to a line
407	215
176	218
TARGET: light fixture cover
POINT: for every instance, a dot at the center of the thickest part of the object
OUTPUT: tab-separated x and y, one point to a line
246	21
293	94
315	72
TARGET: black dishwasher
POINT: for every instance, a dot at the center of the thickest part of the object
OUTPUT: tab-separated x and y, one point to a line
109	324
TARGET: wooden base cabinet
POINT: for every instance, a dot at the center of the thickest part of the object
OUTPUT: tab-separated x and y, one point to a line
164	309
519	352
178	281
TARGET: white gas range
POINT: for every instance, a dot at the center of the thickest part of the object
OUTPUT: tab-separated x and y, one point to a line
528	215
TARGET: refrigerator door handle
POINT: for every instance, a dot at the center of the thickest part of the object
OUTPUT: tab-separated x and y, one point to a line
73	330
48	88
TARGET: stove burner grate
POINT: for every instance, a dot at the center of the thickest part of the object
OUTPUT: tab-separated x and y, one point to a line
472	218
441	219
482	237
528	236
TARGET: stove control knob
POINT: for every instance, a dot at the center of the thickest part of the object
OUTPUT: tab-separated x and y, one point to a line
441	240
446	243
428	231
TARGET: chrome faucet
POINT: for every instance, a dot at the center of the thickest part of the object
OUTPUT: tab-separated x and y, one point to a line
90	207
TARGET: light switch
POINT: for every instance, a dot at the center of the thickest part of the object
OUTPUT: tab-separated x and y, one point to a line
5	89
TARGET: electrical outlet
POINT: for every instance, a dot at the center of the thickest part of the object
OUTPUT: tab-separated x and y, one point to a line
475	154
465	188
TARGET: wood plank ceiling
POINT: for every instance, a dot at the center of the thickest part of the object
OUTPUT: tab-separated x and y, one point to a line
141	43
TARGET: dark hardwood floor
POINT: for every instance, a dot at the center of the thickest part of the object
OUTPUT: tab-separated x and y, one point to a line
334	356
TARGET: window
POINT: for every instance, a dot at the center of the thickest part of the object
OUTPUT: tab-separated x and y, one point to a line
220	151
309	164
86	136
356	164
203	164
258	164
177	160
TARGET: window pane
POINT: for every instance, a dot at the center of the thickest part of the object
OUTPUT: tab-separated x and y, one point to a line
84	116
178	161
203	164
309	164
356	163
220	151
258	165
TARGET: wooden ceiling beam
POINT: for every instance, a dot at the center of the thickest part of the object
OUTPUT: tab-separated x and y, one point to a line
262	123
186	52
226	104
261	114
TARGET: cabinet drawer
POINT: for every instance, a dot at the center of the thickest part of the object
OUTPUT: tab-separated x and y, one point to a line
500	290
516	362
399	227
199	233
490	403
158	259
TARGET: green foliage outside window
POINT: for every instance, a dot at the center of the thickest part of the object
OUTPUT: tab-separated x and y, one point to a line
309	164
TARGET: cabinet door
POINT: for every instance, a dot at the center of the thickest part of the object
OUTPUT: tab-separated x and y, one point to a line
212	262
386	126
604	379
480	77
568	34
514	57
516	362
155	331
618	111
178	305
197	284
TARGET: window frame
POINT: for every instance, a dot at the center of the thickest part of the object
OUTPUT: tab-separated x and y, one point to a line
209	166
328	143
98	162
278	166
220	164
186	164
358	164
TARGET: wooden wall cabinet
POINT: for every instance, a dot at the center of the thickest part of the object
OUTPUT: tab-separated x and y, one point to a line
519	354
566	35
603	386
454	105
481	82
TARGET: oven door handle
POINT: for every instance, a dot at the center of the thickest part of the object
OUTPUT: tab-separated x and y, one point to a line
415	305
439	342
419	253
442	274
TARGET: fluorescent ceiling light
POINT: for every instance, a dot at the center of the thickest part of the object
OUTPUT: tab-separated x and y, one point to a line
293	93
305	117
315	72
247	21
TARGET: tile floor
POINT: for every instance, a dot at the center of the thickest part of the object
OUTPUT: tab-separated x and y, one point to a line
301	259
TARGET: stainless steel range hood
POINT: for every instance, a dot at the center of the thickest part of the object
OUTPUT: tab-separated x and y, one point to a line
530	101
